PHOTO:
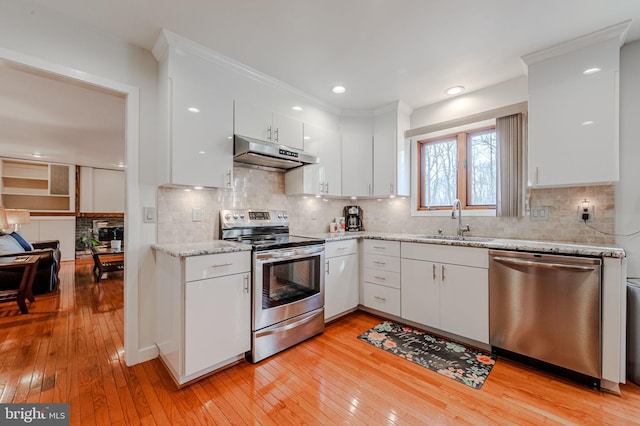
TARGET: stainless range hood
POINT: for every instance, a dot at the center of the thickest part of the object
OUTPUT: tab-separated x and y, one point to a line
268	156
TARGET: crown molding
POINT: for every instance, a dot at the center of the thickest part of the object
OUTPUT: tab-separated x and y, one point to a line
168	38
618	31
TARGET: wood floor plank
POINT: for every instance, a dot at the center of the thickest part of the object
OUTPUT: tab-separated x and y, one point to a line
69	348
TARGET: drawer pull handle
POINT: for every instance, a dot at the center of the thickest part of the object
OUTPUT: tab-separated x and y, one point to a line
379	263
246	284
379	278
383	299
379	248
434	272
221	265
341	248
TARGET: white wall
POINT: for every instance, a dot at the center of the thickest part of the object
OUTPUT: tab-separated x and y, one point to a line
627	191
509	92
32	30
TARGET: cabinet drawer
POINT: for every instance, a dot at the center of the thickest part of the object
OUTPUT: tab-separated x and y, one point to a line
341	248
216	265
385	278
385	263
455	255
382	298
387	248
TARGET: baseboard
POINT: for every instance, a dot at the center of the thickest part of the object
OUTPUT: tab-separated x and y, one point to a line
144	354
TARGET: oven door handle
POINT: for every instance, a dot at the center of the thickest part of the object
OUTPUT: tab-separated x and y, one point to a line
288	326
288	254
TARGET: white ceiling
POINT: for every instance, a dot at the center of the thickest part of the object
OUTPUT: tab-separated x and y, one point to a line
380	50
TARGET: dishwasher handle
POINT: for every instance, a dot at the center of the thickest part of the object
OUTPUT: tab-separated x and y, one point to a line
545	265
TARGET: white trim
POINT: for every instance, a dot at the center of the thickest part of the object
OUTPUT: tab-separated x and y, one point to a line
168	38
618	31
132	203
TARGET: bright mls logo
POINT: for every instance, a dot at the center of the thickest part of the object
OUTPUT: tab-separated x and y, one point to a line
36	414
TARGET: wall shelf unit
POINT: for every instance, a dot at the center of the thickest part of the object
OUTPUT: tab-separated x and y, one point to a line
37	186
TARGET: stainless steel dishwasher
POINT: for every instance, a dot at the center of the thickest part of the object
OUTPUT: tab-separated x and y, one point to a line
547	307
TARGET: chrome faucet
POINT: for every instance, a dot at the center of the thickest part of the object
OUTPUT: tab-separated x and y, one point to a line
461	230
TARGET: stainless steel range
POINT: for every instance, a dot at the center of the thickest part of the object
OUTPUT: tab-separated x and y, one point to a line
288	279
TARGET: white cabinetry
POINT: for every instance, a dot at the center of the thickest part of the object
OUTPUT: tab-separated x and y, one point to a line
61	228
447	288
381	280
341	282
324	178
196	144
391	168
573	115
101	190
357	164
203	312
259	123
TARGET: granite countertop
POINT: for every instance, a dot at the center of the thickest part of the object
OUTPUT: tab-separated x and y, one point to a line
220	246
484	242
199	248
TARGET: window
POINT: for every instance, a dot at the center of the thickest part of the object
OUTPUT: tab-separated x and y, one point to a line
463	166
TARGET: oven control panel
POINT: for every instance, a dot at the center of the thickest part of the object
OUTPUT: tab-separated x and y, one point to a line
236	218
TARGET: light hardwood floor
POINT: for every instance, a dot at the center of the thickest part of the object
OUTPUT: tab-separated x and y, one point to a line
69	348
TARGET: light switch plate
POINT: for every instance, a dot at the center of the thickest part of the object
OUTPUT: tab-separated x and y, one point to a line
149	214
196	214
539	213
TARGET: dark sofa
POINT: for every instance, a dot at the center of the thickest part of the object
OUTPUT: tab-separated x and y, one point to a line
46	279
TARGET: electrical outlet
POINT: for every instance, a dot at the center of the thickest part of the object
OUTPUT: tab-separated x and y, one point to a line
539	213
588	215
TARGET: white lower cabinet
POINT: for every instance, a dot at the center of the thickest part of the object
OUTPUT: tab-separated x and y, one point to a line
381	276
203	319
447	288
341	278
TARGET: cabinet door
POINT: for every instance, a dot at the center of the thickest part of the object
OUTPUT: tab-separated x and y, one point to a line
573	117
217	321
420	294
253	121
464	301
201	136
384	162
287	131
357	164
326	145
341	285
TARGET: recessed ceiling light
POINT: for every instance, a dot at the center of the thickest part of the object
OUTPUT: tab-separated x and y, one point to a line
306	138
120	164
197	187
37	155
454	90
588	122
193	109
296	108
591	71
202	152
338	89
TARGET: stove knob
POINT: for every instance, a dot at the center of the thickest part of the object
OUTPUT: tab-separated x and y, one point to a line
241	215
285	216
235	215
279	215
227	216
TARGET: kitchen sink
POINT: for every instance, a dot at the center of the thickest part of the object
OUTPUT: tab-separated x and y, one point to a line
456	238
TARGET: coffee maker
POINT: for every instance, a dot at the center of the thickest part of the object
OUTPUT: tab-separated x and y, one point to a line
353	218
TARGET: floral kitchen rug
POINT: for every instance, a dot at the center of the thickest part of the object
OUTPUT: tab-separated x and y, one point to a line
448	358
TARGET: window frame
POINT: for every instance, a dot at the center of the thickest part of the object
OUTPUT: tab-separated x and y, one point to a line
463	176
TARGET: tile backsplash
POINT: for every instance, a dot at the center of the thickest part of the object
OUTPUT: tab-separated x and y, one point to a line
261	189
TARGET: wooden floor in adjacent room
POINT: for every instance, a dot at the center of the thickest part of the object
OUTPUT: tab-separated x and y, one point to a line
69	348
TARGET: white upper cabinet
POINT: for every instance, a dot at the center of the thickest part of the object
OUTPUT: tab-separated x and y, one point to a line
324	178
260	123
357	164
196	111
573	111
101	190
